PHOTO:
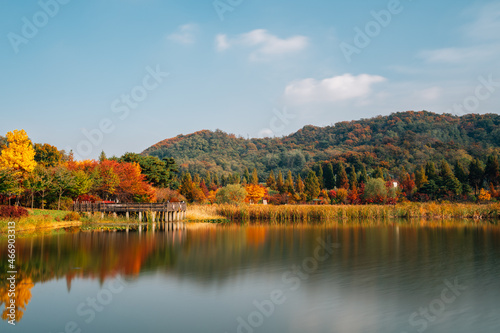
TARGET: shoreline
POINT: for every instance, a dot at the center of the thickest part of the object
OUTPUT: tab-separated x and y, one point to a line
199	215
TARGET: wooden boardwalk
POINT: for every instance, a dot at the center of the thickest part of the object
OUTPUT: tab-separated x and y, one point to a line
161	212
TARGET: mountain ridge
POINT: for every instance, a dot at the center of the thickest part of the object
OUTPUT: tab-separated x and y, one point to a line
399	139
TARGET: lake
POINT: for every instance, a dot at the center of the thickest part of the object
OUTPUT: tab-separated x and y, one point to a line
366	277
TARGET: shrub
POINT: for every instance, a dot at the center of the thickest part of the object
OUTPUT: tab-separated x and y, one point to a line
232	194
88	198
72	216
12	212
342	195
166	194
279	199
375	190
484	195
66	204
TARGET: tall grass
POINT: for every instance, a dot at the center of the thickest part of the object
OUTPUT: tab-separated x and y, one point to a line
38	219
305	213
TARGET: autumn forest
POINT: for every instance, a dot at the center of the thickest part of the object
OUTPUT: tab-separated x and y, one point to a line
407	156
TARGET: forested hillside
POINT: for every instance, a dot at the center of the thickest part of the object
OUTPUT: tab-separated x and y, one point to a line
404	139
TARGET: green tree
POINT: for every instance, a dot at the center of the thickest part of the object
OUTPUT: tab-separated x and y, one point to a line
289	183
353	179
63	181
420	177
448	181
492	170
379	173
299	185
363	178
342	179
375	190
159	173
246	175
328	176
318	170
102	156
232	194
280	183
271	181
476	175
82	183
431	171
47	155
255	177
463	177
312	186
10	182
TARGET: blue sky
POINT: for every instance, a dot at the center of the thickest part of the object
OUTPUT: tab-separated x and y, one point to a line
121	75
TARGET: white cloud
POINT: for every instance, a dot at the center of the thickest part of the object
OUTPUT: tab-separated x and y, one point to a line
222	43
457	55
185	34
334	89
264	44
265	133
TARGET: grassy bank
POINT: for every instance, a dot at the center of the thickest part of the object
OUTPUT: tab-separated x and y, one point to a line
39	219
304	213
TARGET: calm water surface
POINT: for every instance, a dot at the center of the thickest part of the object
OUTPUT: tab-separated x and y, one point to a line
382	277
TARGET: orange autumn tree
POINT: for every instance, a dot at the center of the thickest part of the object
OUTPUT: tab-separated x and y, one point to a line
116	180
19	153
132	185
255	193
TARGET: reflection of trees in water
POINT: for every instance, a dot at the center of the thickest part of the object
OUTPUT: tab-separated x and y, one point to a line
216	254
22	297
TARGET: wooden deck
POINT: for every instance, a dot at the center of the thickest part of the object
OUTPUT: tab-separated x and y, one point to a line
161	212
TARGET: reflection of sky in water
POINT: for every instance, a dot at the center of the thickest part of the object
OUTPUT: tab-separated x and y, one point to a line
203	280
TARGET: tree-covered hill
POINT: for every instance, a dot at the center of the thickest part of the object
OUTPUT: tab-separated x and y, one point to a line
403	139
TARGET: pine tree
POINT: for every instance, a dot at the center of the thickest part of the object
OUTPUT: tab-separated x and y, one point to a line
492	170
246	175
196	179
255	177
328	176
102	157
299	185
318	170
431	171
463	177
342	180
271	181
448	181
476	175
289	183
420	177
353	179
461	173
208	178
280	183
223	180
379	173
312	187
187	186
363	177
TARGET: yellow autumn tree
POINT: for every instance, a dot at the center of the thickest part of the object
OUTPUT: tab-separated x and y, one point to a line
19	153
22	298
484	195
255	192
